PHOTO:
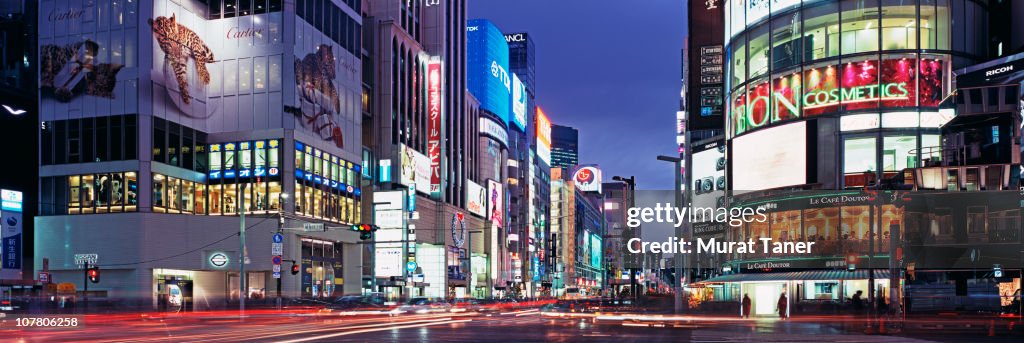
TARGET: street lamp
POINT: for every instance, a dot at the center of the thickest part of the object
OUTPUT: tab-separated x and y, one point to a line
678	259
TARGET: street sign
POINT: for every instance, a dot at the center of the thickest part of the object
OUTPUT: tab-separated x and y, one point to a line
276	260
44	277
277	268
277	248
410	266
81	259
278	238
277	275
313	227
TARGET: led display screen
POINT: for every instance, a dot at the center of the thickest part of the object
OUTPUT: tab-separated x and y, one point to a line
487	71
770	158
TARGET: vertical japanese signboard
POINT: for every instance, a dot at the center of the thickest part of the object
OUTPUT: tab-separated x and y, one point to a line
10	258
434	129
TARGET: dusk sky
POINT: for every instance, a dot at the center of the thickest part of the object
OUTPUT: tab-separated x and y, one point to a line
610	69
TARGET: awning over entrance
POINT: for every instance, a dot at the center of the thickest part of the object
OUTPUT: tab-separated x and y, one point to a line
802	275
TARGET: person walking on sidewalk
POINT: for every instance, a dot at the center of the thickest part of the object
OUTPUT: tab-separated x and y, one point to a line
783	306
746	305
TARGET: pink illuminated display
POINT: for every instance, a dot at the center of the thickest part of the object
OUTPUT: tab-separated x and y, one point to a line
932	76
900	71
861	74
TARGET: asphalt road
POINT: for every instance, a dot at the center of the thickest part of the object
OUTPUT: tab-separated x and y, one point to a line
515	326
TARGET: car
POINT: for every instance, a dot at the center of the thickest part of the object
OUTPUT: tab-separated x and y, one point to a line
358	303
423	305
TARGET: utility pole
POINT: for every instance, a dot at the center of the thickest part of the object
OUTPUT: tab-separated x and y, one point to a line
241	252
85	286
280	227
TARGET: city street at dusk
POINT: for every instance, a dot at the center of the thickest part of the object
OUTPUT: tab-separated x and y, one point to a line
511	171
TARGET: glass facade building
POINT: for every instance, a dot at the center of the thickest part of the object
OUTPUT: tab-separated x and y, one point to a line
874	71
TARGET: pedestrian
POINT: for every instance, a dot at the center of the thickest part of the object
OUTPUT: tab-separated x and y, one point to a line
783	306
857	302
746	305
883	306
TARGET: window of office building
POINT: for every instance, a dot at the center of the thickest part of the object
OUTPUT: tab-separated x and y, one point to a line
738	61
94	139
859	26
758	51
787	48
821	29
899	24
178	145
244	174
935	28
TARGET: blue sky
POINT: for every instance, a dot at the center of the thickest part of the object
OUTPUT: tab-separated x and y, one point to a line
609	68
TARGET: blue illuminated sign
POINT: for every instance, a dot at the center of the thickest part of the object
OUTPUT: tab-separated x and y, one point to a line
488	75
260	171
229	174
214	175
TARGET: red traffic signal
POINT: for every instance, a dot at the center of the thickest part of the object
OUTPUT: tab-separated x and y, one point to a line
295	269
93	274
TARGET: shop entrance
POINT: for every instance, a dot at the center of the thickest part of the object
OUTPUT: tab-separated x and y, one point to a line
174	294
764	296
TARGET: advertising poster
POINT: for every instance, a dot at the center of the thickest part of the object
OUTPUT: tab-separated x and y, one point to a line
476	198
496	203
415	170
588	179
543	137
519	102
434	125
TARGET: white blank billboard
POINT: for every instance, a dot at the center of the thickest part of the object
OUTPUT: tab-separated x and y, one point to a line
770	158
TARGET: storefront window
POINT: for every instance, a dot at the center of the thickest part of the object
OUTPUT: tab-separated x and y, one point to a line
230	204
933	80
275	196
859	81
859	156
759	105
159	197
854	228
216	199
821	84
101	193
860	26
738	111
899	86
821	28
896	153
785	226
787	47
821	227
758	51
899	24
200	198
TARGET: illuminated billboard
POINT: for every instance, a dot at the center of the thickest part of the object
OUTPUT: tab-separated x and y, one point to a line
487	70
770	158
708	170
434	124
587	179
11	234
495	202
415	170
476	198
543	137
519	102
595	251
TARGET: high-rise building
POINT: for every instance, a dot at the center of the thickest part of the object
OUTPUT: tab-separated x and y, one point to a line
148	163
845	113
19	116
425	147
565	142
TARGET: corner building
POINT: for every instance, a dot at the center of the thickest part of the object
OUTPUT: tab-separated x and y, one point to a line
161	120
833	95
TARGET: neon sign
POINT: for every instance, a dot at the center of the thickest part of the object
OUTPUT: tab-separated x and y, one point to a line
818	99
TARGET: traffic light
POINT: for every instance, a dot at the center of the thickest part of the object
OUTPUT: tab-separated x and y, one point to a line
94	274
365	230
295	269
